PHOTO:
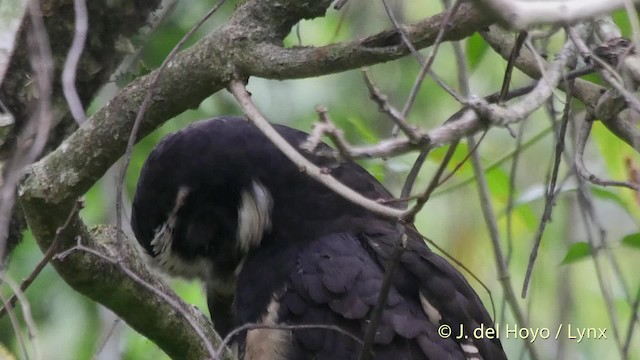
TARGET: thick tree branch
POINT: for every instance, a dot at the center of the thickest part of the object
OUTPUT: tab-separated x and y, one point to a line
110	26
270	60
171	326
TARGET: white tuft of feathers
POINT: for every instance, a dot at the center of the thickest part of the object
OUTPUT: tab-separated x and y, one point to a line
254	216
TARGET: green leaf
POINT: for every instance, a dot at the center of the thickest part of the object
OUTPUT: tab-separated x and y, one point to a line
632	240
476	48
498	182
577	251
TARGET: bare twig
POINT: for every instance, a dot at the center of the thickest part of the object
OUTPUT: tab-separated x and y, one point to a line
604	245
462	123
464	160
384	106
409	216
403	35
504	115
374	320
106	337
632	320
16	326
586	212
504	91
606	71
243	97
51	251
512	190
71	63
407	188
632	13
159	17
550	196
328	128
133	276
583	135
587	92
426	66
511	63
42	64
26	313
503	270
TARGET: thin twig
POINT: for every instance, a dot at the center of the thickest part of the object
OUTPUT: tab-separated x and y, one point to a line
464	160
419	162
504	115
460	124
583	135
143	109
512	188
609	74
407	188
16	327
426	66
328	128
71	63
512	191
584	206
459	264
550	196
48	255
496	163
374	320
633	20
133	276
409	216
634	315
159	17
511	63
243	97
503	270
385	107
26	313
403	35
106	338
42	65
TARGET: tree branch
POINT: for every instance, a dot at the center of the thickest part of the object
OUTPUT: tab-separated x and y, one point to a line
520	15
103	47
272	61
241	94
592	95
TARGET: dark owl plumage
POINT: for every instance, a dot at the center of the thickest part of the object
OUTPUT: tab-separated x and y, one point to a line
217	201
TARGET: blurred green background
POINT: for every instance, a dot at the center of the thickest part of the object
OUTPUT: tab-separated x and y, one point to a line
71	326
